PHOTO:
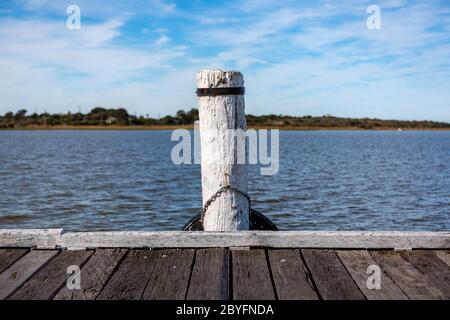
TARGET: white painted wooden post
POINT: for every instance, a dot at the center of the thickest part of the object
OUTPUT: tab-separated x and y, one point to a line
218	114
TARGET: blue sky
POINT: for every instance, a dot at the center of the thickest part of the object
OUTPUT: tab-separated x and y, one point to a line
297	57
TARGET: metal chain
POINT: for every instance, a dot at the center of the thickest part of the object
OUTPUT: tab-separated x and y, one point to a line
217	194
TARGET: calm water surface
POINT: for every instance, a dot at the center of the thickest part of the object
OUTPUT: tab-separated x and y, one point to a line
125	180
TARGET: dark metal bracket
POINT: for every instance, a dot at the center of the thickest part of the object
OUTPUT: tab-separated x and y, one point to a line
212	92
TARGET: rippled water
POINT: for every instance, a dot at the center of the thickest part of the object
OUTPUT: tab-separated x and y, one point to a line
125	180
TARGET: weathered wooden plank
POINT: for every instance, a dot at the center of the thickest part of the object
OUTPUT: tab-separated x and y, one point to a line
290	275
356	262
51	238
271	239
9	256
130	279
48	280
210	275
40	238
330	276
13	277
170	278
251	275
444	255
94	275
406	276
433	268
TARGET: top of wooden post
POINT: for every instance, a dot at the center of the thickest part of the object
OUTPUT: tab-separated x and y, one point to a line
213	78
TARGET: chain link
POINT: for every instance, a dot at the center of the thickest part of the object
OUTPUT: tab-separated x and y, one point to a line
217	194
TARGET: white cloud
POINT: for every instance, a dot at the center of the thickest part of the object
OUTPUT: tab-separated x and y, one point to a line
162	40
343	69
164	6
253	33
101	8
44	64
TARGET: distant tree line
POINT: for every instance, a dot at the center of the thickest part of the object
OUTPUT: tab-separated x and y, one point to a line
106	117
96	117
328	121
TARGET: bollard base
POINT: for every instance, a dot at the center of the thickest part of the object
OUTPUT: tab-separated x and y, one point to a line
258	221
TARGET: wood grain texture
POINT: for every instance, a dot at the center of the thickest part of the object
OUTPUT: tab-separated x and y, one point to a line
170	278
356	262
210	274
406	276
444	255
330	276
13	277
290	275
251	275
9	256
180	239
49	279
94	275
29	238
434	269
207	274
130	279
269	239
219	152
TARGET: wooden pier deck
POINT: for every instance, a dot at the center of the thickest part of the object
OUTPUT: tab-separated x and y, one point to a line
221	273
227	266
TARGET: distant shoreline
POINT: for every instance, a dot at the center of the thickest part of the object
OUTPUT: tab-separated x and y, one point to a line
190	127
119	119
